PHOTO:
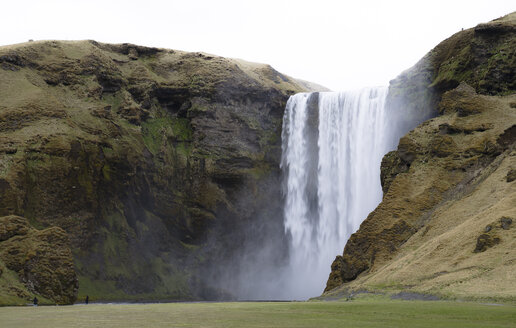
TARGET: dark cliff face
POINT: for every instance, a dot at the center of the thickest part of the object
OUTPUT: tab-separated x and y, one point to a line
143	156
467	83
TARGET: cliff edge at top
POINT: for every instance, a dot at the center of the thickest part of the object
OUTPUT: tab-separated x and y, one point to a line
156	163
445	225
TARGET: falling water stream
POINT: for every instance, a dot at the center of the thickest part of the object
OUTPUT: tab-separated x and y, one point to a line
332	148
333	144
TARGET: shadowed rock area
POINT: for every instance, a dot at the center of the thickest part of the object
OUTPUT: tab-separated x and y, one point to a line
449	178
158	164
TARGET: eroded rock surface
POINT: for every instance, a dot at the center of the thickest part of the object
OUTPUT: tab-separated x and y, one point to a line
42	259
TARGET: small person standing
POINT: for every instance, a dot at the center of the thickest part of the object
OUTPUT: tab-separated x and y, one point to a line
35	301
87	299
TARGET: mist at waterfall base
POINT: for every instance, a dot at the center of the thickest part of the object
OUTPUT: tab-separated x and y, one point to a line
333	144
332	148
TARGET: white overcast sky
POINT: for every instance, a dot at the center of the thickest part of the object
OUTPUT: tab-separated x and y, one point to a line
339	44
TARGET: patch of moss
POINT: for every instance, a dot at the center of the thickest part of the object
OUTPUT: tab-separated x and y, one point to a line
259	172
106	172
41	259
113	99
16	89
12	291
182	129
116	221
196	82
172	284
197	108
84	178
113	247
454	70
155	131
5	163
98	290
189	247
183	149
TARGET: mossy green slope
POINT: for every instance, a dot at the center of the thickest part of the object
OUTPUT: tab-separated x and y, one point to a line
140	155
35	263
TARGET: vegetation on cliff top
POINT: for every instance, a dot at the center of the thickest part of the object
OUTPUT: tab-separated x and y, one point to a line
446	188
140	155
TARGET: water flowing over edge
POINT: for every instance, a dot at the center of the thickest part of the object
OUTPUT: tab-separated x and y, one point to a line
332	147
333	144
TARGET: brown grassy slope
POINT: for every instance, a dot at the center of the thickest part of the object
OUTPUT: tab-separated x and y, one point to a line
447	198
423	235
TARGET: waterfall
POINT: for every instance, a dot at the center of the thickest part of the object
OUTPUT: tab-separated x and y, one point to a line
333	144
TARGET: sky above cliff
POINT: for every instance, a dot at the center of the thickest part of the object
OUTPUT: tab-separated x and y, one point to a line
339	44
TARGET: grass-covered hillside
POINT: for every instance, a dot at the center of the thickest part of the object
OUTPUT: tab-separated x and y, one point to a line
143	156
447	222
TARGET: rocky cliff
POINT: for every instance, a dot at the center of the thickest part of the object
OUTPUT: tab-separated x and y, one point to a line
135	159
445	225
41	259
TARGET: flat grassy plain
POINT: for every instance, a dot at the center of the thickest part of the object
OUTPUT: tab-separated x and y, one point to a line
375	313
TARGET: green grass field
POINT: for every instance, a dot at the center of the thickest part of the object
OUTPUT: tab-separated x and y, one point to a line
375	313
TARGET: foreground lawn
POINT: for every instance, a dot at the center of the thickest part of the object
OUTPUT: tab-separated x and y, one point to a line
266	314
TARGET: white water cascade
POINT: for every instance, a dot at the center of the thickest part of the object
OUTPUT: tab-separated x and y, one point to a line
333	144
